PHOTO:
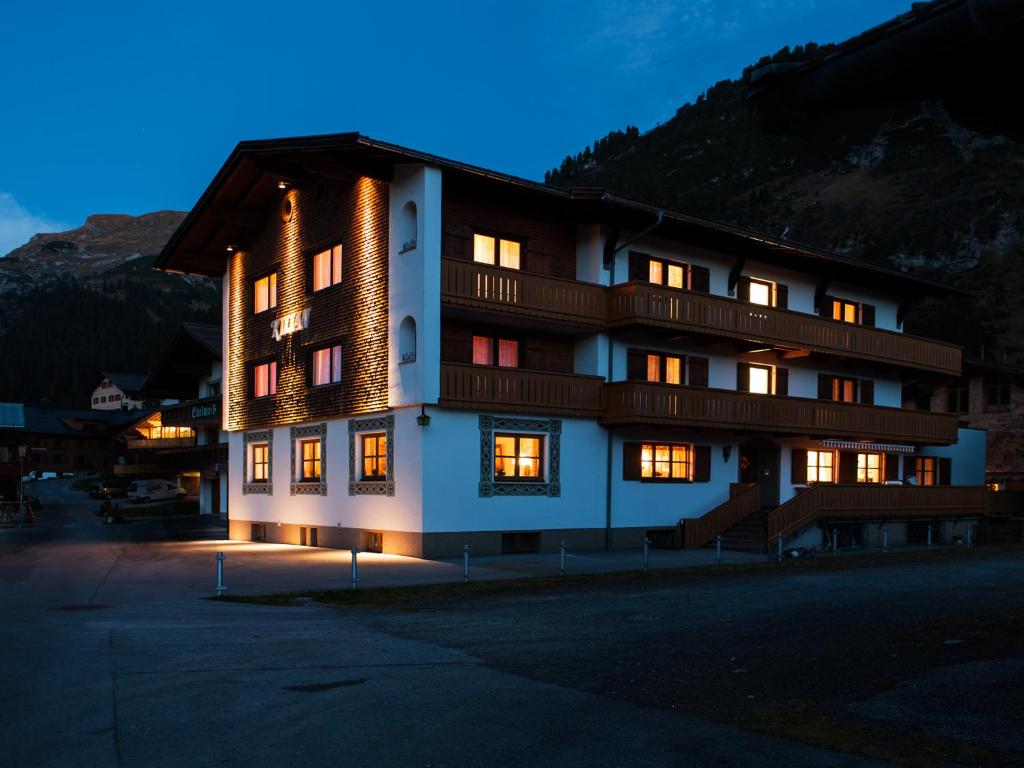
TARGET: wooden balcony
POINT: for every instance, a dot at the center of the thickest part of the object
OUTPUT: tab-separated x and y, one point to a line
160	443
637	303
515	390
642	403
495	289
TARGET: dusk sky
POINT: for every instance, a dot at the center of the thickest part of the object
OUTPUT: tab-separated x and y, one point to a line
129	108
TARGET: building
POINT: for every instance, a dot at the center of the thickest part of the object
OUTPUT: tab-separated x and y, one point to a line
421	354
118	392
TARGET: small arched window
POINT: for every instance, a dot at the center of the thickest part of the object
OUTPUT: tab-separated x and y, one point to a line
407	228
407	341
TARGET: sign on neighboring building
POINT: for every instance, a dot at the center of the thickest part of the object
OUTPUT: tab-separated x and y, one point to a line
289	324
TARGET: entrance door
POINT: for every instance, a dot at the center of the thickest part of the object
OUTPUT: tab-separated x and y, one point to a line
759	463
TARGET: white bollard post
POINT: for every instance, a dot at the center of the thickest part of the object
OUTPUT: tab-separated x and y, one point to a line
835	541
970	535
929	537
885	539
647	546
562	566
465	562
355	567
220	574
779	554
718	548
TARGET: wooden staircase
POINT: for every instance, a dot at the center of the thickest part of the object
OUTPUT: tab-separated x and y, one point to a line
747	535
743	503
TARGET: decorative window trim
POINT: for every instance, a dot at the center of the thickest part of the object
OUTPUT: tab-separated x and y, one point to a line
262	436
297	487
385	487
491	424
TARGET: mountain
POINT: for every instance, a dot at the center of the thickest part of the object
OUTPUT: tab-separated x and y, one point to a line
77	302
898	182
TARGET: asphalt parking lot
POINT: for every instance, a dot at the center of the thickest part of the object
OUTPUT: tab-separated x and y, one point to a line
111	657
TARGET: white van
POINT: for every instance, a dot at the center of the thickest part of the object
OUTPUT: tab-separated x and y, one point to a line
154	490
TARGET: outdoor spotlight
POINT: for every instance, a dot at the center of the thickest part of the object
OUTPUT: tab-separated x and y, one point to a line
230	249
282	184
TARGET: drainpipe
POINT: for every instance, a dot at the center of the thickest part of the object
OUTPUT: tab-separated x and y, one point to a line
611	250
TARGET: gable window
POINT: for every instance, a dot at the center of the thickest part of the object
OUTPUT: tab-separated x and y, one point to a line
924	470
820	466
375	456
846	311
496	250
666	461
327	365
309	464
259	463
265	293
959	398
265	379
493	351
518	457
327	268
869	467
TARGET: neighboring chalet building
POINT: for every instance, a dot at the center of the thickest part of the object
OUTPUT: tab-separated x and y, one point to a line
119	392
183	439
421	354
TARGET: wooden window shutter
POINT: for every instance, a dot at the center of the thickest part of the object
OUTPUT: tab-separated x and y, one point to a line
867	314
631	461
798	467
700	279
781	296
825	309
867	391
847	467
701	463
743	289
697	371
892	466
636	365
782	381
944	475
824	386
742	377
639	266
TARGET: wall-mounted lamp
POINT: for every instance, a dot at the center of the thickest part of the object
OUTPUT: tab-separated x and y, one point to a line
423	419
283	184
230	249
726	453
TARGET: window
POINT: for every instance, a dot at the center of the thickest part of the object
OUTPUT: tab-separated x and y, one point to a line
265	293
844	310
518	457
760	379
959	398
309	466
666	273
924	470
997	396
666	461
496	250
820	467
327	365
265	379
375	456
327	268
869	467
762	292
259	463
487	350
667	369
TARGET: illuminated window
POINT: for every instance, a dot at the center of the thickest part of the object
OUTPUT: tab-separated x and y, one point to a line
518	457
309	464
265	379
497	250
844	390
666	461
676	276
327	365
820	466
265	293
761	292
656	272
869	467
924	470
673	370
327	268
487	350
760	379
259	462
844	310
664	368
375	457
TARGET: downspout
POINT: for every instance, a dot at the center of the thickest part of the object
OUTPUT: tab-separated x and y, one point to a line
611	250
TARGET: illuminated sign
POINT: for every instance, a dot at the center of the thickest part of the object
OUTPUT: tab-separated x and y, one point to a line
289	324
203	411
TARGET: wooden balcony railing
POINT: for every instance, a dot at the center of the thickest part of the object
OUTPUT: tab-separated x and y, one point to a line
641	403
480	286
867	502
744	501
160	443
704	313
520	391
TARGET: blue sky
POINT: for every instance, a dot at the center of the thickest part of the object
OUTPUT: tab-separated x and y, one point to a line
128	108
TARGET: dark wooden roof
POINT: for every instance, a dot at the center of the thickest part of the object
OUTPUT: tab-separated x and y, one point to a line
186	360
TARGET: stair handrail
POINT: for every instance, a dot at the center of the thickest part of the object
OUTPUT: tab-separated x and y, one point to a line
701	531
794	514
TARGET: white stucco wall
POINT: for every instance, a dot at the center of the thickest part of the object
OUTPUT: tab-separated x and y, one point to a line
967	456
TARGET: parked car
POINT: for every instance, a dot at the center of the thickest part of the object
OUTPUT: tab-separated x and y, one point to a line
109	488
154	490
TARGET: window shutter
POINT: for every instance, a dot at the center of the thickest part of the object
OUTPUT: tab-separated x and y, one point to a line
781	296
697	371
824	386
700	279
867	314
945	471
701	463
825	310
636	365
847	467
742	377
743	289
892	466
798	467
631	461
782	381
867	391
639	266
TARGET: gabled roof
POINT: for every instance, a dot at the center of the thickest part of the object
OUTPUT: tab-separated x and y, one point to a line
238	201
187	359
990	366
57	420
12	416
126	382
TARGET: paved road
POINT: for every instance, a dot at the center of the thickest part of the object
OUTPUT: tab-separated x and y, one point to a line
110	658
